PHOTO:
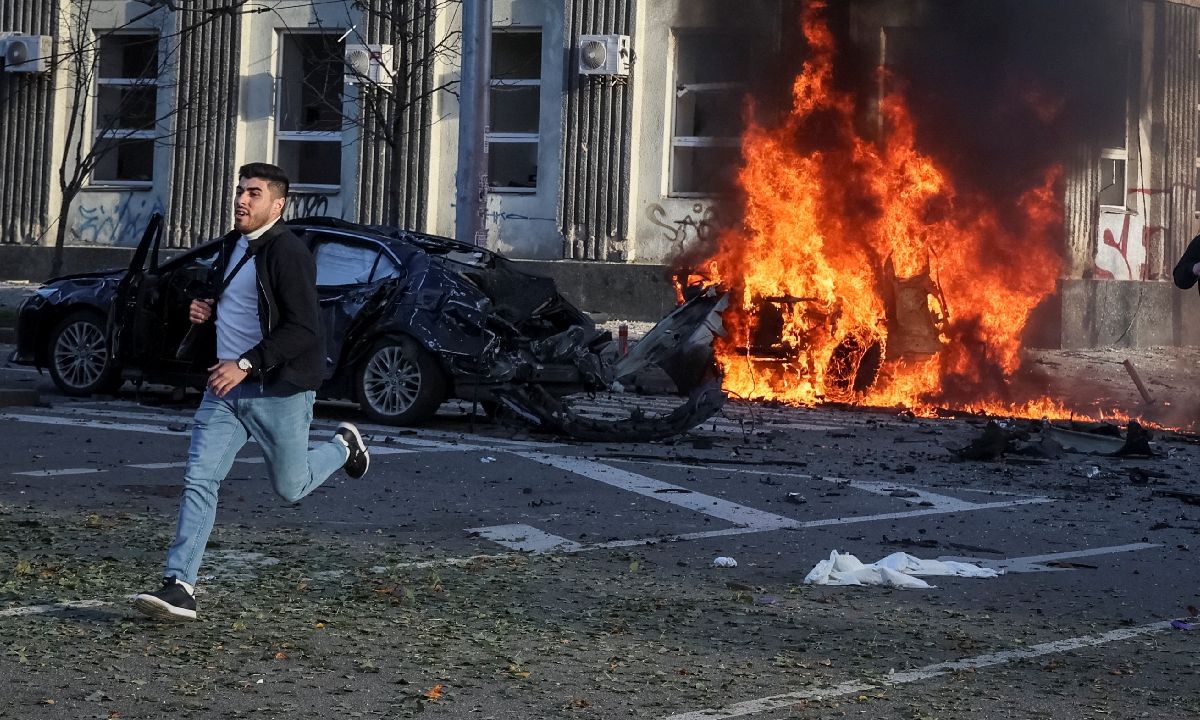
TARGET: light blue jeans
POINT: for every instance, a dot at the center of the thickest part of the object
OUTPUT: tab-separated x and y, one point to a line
280	422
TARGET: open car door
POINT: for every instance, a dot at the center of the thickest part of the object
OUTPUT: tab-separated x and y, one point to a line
135	325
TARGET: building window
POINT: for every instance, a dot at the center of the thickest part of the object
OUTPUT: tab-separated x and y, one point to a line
1112	178
514	109
711	75
126	108
308	123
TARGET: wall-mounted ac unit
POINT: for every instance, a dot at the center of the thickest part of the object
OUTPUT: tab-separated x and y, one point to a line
603	54
27	53
369	64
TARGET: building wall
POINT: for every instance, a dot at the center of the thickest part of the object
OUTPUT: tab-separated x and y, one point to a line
26	122
664	224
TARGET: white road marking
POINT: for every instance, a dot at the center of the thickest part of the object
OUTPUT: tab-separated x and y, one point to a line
525	538
411	445
96	424
63	471
659	490
945	502
748	519
1036	563
775	702
38	609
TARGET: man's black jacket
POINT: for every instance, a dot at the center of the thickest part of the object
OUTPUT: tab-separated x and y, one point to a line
1184	277
293	344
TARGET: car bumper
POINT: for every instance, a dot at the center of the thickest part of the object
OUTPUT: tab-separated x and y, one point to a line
30	317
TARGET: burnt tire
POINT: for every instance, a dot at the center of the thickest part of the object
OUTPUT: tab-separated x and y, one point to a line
399	383
80	357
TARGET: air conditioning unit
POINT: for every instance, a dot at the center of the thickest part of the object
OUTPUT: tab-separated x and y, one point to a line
369	64
27	53
603	54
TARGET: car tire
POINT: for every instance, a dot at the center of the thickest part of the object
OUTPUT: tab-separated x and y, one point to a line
399	383
80	357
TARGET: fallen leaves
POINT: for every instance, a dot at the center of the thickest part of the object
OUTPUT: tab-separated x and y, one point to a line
434	694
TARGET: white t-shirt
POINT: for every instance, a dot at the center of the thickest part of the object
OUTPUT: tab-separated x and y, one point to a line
238	328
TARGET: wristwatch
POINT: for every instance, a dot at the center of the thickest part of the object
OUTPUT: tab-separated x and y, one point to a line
245	365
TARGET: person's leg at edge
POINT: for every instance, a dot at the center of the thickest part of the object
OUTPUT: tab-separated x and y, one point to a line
280	424
217	435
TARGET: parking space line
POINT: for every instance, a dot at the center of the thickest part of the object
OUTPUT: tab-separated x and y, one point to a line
776	702
62	471
94	424
666	492
878	488
1037	563
38	609
525	538
746	519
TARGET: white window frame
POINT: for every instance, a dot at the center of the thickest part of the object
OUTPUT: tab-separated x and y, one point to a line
117	134
690	140
514	138
304	135
1123	155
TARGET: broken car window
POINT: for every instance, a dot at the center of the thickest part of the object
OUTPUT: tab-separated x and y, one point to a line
341	264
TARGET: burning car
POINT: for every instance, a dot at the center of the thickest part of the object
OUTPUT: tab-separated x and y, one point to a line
410	320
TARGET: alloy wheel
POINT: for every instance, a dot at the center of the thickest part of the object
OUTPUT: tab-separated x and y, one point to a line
80	354
391	381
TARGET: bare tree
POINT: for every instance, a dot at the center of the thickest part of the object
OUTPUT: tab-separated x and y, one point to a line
391	110
107	122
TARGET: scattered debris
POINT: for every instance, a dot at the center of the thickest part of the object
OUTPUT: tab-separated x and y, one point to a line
1187	497
991	445
1133	374
487	459
743	587
1181	625
1137	441
725	562
914	542
895	570
1142	476
796	499
1064	565
764	601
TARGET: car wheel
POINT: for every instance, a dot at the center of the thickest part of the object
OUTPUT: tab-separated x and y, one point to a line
80	361
399	383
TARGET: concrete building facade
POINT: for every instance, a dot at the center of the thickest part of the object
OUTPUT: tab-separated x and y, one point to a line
602	179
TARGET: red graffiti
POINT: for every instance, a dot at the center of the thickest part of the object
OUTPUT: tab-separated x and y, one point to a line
1121	247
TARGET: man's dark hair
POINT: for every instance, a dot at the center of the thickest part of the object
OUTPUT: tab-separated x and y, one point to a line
277	179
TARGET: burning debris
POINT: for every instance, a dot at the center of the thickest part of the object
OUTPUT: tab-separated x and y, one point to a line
859	273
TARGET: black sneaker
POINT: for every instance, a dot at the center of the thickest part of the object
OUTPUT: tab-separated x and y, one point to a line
173	602
358	462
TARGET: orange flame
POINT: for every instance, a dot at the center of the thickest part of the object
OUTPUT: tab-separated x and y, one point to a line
838	231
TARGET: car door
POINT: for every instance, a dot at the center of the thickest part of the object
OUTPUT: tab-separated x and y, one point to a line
350	270
135	322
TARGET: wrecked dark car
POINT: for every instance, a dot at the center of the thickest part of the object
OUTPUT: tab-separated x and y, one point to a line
410	320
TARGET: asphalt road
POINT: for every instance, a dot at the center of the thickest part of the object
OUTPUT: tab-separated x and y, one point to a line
495	573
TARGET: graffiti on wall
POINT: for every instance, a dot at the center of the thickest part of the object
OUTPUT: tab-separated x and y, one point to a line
698	225
1121	251
305	205
113	218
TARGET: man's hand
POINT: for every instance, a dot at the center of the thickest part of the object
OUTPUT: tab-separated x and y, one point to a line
1196	269
224	376
200	312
